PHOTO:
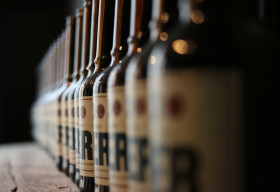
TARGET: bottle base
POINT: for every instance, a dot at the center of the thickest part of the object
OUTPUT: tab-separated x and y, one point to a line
72	172
87	184
101	188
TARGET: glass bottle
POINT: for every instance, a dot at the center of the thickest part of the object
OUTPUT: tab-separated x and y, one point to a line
138	36
194	100
119	49
69	47
76	55
100	52
164	16
87	6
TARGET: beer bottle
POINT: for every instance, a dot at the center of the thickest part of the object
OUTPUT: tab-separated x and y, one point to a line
83	71
194	95
101	42
89	33
76	57
140	17
119	49
73	135
164	16
69	47
56	101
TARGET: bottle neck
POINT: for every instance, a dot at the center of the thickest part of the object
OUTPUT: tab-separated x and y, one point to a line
139	20
69	45
85	37
104	34
93	35
121	30
78	41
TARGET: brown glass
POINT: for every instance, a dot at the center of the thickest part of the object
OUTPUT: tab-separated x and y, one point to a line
120	35
70	26
137	67
87	6
100	50
76	76
57	95
139	33
138	36
223	41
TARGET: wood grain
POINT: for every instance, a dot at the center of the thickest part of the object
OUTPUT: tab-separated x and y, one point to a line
27	167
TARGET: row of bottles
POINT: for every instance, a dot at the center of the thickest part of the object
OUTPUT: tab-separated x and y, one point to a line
150	95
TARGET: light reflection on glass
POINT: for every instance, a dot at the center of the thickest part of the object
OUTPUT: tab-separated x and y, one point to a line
164	17
153	59
139	50
163	36
197	17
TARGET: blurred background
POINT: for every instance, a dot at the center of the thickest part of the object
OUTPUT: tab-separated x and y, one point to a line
27	28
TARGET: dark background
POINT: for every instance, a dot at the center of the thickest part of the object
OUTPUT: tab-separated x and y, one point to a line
27	28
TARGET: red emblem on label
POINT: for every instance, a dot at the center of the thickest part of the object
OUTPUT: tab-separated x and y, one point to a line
140	106
84	112
100	111
117	107
175	106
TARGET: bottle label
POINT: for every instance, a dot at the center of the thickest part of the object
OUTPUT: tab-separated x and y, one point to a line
77	133
137	133
58	126
71	123
86	136
65	129
101	161
117	139
195	131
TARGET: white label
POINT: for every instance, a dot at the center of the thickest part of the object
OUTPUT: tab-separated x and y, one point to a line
86	136
65	129
101	161
71	123
195	131
137	133
117	139
77	133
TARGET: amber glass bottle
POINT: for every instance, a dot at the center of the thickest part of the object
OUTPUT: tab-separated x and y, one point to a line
56	101
101	53
89	38
73	148
69	50
194	95
164	16
119	49
76	55
140	17
87	6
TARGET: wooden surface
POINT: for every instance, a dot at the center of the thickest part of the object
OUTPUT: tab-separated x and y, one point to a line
25	167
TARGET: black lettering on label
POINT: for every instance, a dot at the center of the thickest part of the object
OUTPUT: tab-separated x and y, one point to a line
176	168
78	141
137	158
67	136
72	145
101	148
117	149
86	143
59	139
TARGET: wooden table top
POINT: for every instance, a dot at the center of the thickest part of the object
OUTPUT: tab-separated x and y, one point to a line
26	167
